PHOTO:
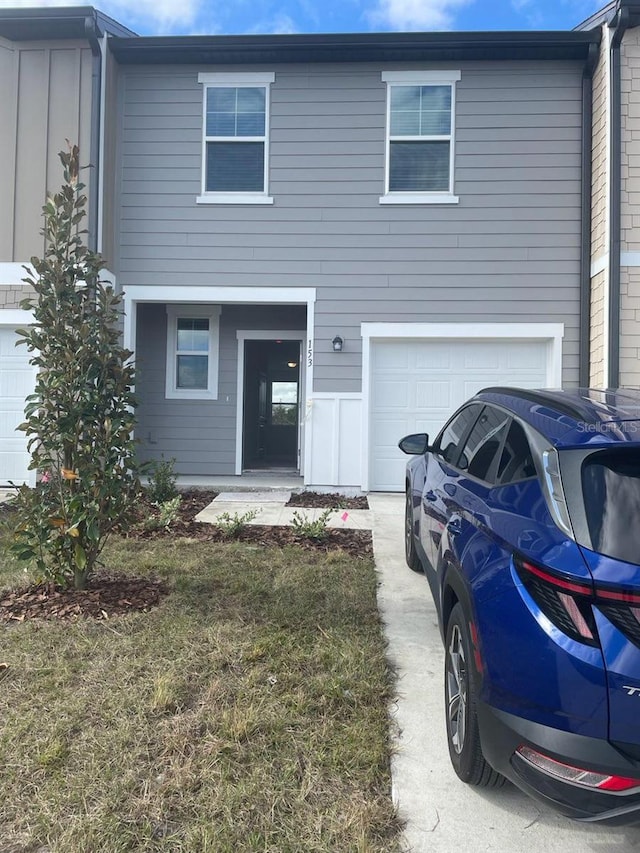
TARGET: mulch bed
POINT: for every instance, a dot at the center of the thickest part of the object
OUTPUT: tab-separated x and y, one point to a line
333	500
109	594
112	594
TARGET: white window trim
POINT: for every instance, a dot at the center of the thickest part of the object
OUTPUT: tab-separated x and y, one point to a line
551	333
240	80
212	314
420	78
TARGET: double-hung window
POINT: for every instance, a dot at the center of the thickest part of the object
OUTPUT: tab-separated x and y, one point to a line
235	155
420	137
192	352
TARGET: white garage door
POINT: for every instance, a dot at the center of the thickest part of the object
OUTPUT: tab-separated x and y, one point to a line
16	381
417	385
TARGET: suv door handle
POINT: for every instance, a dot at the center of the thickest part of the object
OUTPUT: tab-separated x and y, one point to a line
431	495
454	526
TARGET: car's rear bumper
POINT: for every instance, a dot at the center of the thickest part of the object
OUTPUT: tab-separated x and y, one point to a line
502	734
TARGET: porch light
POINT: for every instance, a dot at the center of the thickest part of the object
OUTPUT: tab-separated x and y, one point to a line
292	364
337	343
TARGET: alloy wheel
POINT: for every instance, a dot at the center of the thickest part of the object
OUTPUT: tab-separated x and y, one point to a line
457	689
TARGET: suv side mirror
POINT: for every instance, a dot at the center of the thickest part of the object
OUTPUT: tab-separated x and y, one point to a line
415	444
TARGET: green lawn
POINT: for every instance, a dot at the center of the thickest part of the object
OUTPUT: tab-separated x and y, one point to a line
247	713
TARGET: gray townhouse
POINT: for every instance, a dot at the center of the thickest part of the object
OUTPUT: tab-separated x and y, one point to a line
327	242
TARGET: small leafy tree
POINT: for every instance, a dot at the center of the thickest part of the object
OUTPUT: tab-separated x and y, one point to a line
80	419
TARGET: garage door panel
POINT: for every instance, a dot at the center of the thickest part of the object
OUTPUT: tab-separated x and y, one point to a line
480	357
393	394
439	358
417	385
393	358
433	395
16	382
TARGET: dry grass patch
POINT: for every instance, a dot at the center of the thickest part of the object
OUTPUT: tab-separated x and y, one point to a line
246	713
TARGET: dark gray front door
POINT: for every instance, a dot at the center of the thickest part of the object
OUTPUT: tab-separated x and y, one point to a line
271	394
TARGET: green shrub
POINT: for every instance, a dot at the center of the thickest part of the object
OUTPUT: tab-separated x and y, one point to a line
167	514
162	481
307	529
232	525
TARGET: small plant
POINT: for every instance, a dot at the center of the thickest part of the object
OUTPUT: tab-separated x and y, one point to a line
167	514
307	529
232	525
162	481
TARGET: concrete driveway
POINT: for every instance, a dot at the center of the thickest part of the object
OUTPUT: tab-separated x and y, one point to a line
442	814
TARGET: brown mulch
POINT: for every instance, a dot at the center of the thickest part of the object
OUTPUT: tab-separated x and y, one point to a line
333	500
109	594
112	594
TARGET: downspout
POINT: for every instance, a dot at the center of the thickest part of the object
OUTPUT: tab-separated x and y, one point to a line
621	24
91	32
585	202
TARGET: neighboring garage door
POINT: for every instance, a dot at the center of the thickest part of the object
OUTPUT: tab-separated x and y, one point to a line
417	385
16	381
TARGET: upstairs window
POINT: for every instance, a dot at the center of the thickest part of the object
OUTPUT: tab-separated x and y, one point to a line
235	157
420	137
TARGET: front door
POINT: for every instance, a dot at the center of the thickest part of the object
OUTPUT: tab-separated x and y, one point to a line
271	404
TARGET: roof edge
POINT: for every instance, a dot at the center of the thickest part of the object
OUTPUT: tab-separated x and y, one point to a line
341	47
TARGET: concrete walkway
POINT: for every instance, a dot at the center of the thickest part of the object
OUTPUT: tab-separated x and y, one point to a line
442	814
270	508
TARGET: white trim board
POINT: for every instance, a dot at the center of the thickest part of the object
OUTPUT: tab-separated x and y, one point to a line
268	335
551	332
12	274
15	317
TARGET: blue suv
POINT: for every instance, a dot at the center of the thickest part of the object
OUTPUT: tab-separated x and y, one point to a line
524	514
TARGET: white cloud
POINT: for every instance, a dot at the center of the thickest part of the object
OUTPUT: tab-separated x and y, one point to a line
417	14
149	16
530	11
280	24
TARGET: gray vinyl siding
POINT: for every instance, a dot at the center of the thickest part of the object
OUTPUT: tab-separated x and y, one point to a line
508	252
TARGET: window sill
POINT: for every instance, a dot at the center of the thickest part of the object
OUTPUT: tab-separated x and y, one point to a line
234	198
190	395
419	198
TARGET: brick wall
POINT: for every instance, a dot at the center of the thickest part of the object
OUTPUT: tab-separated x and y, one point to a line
599	158
12	295
630	327
596	354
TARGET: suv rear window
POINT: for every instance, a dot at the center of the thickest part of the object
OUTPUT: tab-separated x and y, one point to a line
611	493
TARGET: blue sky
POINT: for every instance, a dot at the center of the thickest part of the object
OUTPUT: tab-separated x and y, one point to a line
188	17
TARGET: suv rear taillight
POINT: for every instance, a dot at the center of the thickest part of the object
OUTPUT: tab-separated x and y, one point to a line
568	603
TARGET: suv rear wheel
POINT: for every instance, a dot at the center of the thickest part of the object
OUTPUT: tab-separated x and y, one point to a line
463	737
410	553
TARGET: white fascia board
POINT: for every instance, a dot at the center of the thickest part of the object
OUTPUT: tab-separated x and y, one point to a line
11	273
222	295
15	317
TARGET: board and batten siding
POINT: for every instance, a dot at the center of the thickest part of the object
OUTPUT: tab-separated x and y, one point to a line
508	251
45	98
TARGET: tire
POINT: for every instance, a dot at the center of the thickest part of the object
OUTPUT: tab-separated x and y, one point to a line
410	553
463	737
